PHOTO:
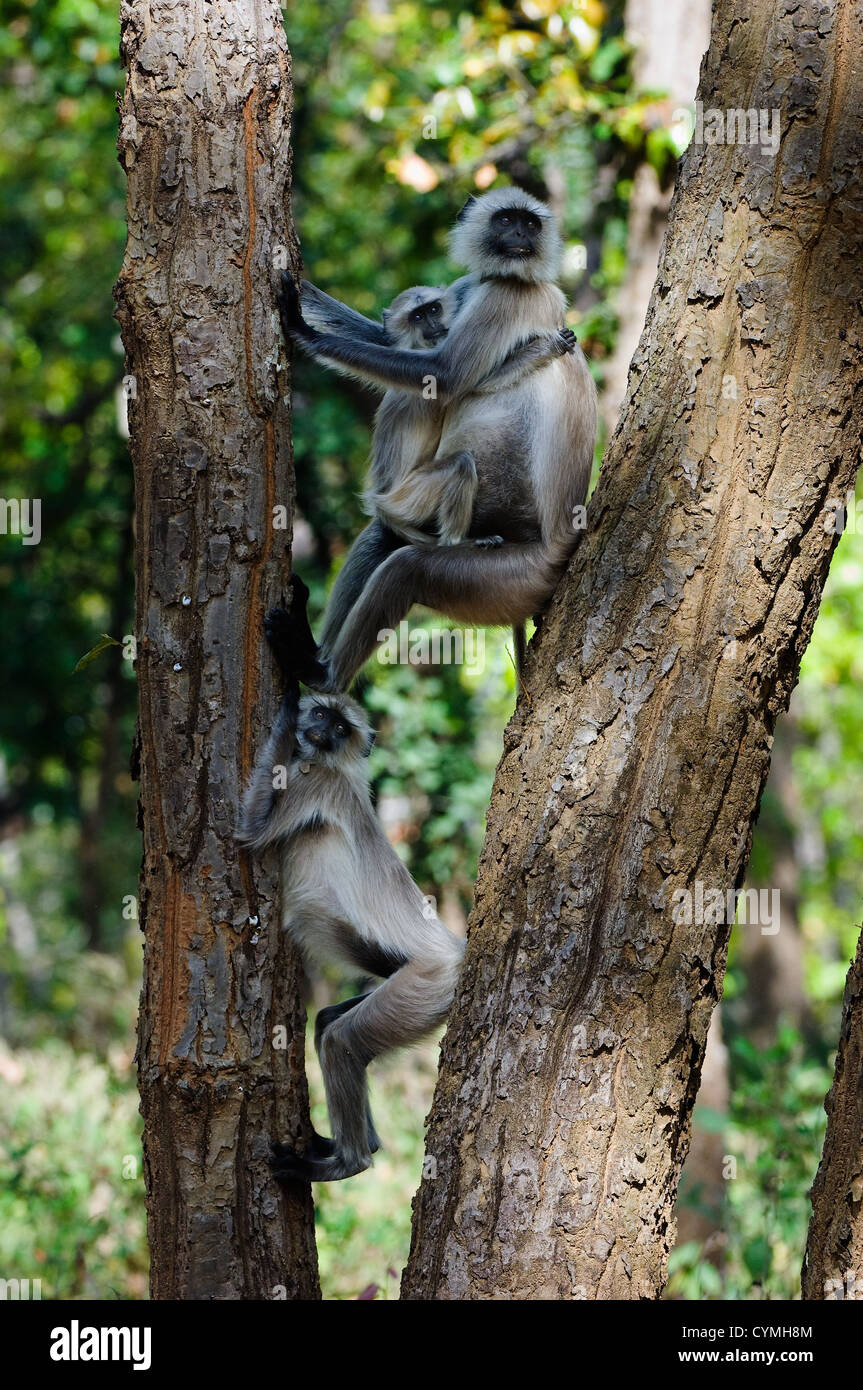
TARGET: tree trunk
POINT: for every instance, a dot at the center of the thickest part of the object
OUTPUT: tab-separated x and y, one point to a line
635	765
833	1266
204	139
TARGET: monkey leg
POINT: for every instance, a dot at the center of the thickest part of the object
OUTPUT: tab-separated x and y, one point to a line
458	498
324	1148
404	1009
368	552
494	587
441	493
286	1164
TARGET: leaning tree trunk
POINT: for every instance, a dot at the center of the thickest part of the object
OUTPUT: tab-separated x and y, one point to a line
204	139
833	1267
635	767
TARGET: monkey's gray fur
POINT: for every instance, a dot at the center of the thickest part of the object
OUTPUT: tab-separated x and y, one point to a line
531	445
346	896
413	495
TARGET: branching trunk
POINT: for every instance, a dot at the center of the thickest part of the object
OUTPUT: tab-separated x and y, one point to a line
833	1268
204	139
636	765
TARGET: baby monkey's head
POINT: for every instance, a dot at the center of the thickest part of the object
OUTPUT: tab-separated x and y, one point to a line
419	317
332	730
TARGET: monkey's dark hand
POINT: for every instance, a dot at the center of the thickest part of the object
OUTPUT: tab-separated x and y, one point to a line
292	641
290	310
566	341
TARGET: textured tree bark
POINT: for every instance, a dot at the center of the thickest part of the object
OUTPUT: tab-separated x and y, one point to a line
833	1266
204	139
635	766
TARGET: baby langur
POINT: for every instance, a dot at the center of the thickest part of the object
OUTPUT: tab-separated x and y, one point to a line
531	444
419	492
416	503
347	896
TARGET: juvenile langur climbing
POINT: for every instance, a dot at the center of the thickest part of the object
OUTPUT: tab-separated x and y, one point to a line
529	445
346	896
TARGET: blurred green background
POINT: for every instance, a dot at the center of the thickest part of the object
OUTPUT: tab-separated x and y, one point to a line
540	93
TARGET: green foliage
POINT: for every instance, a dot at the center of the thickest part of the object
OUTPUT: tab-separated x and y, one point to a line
362	1225
61	222
71	1190
774	1135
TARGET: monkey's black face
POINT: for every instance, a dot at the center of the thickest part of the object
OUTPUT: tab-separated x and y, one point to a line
327	730
427	320
514	234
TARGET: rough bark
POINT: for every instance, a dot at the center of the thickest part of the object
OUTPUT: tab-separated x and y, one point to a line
833	1265
635	766
204	139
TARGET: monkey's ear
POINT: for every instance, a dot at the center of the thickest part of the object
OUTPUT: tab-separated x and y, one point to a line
466	209
371	743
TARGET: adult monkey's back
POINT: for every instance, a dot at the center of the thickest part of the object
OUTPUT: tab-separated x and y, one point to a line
532	444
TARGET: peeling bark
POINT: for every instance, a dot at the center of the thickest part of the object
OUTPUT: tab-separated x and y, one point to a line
833	1267
634	769
204	140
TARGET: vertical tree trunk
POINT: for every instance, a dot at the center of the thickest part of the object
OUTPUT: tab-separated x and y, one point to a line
635	767
204	139
833	1266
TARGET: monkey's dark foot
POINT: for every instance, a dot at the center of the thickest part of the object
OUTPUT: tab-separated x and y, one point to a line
567	341
488	542
288	1166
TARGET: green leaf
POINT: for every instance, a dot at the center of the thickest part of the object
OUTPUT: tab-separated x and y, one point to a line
94	652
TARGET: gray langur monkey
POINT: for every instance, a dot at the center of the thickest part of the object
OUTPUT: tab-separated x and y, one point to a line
531	445
411	496
412	490
346	896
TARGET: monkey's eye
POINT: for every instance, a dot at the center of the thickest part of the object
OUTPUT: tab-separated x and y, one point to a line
416	316
341	730
504	220
434	308
532	224
319	714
